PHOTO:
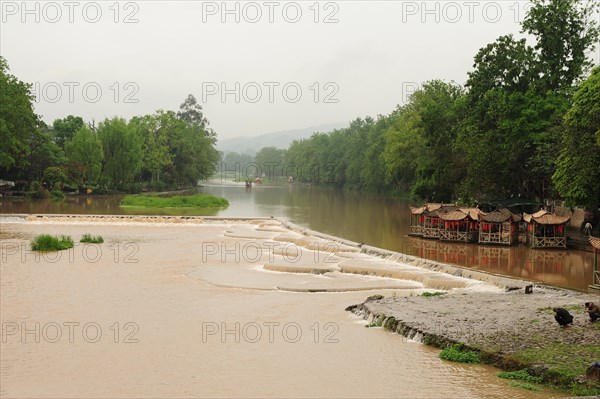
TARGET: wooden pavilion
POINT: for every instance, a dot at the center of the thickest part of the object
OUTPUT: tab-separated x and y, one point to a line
459	224
499	227
424	220
546	230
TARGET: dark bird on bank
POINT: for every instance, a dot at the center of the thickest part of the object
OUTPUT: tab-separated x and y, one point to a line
563	317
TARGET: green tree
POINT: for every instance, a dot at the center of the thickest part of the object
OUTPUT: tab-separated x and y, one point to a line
18	122
84	151
565	32
192	145
420	142
155	129
404	148
42	153
65	128
191	113
122	150
505	64
270	160
234	161
54	175
577	175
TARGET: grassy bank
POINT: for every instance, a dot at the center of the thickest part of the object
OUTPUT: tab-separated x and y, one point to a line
182	201
508	330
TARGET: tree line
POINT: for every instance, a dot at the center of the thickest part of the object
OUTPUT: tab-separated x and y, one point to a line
525	125
166	149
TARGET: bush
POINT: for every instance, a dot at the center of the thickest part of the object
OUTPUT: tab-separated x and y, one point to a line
35	186
157	186
57	195
134	188
90	239
46	242
521	375
41	193
457	353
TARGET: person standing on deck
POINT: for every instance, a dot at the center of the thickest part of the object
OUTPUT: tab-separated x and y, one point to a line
588	228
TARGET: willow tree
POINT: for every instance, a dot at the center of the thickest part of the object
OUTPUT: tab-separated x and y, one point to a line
122	150
84	151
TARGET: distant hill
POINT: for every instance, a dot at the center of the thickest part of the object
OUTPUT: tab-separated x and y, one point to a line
281	139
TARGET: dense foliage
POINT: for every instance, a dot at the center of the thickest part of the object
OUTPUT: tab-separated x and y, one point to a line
165	149
498	137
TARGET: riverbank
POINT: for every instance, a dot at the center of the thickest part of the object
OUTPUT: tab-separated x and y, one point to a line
511	330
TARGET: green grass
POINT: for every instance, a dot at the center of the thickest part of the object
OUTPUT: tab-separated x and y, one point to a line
46	242
566	361
525	385
181	201
580	390
428	294
521	375
457	353
90	239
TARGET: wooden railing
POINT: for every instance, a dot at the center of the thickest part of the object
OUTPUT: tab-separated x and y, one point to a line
495	238
431	232
453	235
416	230
548	242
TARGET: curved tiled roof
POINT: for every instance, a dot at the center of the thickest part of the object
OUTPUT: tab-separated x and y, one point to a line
595	242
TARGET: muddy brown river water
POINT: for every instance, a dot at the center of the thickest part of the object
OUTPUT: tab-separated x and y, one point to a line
376	220
136	317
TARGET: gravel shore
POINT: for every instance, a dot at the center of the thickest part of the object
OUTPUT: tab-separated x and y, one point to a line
511	330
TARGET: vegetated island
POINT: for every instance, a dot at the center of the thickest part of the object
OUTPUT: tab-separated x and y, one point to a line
178	201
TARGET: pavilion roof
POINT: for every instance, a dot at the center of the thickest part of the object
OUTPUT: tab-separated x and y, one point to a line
459	214
429	207
545	217
499	216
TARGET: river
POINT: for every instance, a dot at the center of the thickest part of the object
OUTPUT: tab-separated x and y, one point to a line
376	220
128	318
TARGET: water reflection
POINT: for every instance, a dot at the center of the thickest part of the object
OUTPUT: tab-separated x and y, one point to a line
375	220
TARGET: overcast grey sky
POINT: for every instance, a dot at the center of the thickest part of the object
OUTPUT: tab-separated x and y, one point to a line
348	58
